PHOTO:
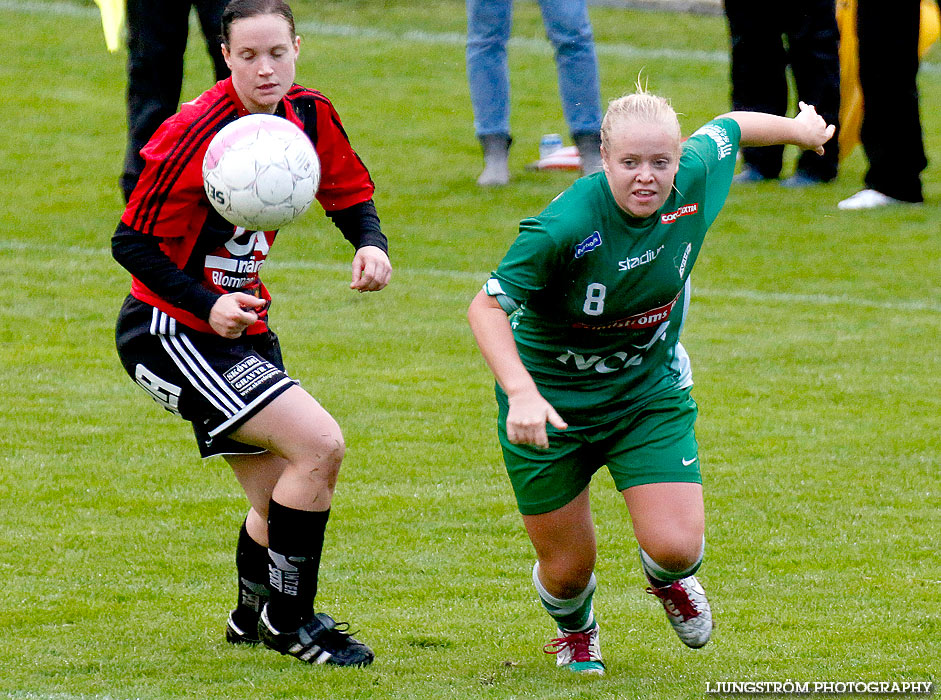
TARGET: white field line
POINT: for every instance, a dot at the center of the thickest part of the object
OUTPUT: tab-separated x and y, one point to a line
481	277
423	37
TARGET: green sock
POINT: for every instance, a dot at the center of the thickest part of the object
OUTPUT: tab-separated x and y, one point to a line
571	614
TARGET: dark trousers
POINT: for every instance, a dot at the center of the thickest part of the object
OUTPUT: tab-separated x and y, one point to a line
888	64
156	41
767	37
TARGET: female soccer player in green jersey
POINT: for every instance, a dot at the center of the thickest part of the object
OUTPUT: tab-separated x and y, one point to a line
580	324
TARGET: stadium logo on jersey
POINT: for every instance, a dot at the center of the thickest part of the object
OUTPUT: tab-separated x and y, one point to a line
721	138
588	245
635	322
684	210
630	263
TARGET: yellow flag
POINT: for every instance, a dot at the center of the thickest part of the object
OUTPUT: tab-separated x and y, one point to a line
930	26
112	20
851	97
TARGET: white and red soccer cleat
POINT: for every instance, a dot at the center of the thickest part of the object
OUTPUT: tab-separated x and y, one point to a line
579	652
687	609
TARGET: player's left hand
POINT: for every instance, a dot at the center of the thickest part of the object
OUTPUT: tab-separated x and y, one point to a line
814	128
371	269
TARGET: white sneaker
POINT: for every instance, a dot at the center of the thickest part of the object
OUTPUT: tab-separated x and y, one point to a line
579	652
869	199
687	609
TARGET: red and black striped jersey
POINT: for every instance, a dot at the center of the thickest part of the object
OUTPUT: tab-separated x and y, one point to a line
170	204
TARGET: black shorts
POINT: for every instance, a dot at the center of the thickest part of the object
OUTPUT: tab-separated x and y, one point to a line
215	383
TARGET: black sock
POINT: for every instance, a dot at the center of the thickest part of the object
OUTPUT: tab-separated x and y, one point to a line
251	563
295	542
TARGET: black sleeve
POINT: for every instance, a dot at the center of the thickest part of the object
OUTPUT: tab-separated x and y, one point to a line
359	224
141	256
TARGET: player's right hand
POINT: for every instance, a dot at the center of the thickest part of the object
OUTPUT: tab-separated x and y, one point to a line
526	420
371	269
816	131
233	313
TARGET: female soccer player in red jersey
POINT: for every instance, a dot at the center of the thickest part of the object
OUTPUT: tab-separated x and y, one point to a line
580	324
199	343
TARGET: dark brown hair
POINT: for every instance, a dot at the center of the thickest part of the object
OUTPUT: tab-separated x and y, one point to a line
240	9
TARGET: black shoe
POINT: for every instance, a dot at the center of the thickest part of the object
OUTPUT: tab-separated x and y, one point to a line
236	635
320	640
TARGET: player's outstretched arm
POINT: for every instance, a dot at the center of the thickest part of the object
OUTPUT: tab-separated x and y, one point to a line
808	130
529	411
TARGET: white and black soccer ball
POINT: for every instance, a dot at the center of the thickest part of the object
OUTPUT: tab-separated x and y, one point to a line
261	172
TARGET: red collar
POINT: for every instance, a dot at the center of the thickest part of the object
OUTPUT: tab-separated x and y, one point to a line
284	108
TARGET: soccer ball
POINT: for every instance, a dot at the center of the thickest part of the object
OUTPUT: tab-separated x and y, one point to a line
261	172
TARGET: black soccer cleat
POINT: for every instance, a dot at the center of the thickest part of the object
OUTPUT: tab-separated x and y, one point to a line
320	640
236	635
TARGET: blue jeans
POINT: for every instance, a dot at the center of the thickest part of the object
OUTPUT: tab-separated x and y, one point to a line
569	30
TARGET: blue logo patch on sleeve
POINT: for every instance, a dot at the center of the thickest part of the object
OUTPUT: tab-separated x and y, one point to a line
588	245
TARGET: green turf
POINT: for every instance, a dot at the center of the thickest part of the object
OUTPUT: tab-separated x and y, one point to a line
813	333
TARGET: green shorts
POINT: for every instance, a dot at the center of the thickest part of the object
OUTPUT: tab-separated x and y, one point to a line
654	444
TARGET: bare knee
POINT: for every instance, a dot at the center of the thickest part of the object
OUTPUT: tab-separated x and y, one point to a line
321	456
310	474
565	575
675	550
328	448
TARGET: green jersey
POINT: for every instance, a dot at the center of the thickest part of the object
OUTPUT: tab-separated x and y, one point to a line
598	298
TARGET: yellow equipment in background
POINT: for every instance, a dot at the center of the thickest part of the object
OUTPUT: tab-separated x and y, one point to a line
112	21
851	96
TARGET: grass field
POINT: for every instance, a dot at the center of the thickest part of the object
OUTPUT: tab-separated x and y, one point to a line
814	337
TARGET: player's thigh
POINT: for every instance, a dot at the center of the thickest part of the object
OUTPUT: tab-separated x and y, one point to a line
653	457
257	474
296	427
215	383
669	521
564	540
654	444
544	480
